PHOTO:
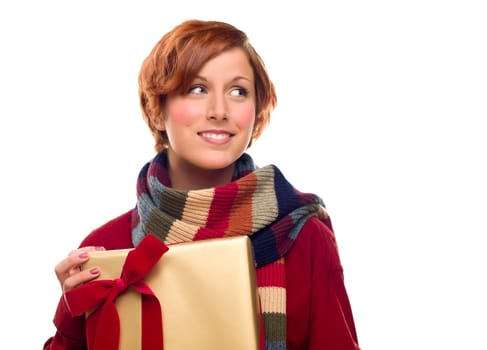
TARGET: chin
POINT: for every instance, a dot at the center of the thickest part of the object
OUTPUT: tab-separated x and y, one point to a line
219	162
217	165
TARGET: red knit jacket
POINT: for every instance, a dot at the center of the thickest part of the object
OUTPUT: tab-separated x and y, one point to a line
319	315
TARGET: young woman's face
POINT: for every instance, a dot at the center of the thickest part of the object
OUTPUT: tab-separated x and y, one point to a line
210	125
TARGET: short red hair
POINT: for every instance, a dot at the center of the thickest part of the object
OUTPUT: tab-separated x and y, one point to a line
178	57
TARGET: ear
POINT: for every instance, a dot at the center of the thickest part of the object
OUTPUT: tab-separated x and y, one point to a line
158	123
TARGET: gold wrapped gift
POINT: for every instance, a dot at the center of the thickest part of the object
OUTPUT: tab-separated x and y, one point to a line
207	291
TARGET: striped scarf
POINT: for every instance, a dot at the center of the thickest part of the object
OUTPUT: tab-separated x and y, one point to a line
258	202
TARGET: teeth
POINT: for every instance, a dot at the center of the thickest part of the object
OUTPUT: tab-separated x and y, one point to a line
214	136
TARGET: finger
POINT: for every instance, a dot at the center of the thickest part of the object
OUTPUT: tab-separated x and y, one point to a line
69	265
85	249
79	278
72	263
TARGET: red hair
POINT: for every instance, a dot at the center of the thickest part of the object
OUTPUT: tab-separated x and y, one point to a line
178	57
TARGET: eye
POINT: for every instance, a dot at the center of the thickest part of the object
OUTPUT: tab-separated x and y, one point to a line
197	89
239	92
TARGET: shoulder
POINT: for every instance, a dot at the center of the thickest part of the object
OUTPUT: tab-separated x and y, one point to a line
114	234
316	243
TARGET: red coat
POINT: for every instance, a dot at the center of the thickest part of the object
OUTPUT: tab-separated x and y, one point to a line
318	311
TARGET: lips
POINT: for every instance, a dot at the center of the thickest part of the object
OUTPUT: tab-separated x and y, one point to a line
216	136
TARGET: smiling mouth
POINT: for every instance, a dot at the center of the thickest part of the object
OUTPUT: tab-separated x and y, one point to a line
215	136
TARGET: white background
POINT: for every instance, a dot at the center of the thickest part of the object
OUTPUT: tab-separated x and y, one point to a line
382	108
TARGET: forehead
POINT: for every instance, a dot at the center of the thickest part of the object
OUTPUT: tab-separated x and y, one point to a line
230	63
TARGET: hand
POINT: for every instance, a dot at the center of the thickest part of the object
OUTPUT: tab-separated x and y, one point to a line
69	273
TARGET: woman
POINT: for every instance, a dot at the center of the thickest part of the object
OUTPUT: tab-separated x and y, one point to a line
206	96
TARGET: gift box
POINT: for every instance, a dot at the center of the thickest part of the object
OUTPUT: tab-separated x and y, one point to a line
206	290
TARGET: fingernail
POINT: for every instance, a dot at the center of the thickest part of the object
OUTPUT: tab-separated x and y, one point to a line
83	255
94	270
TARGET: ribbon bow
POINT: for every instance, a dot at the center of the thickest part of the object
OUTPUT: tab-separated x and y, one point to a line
105	321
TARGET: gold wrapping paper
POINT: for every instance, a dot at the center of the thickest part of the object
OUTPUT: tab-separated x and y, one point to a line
207	291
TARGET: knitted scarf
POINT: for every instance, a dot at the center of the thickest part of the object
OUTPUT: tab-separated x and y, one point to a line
258	202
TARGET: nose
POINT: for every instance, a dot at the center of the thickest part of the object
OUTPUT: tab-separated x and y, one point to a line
218	108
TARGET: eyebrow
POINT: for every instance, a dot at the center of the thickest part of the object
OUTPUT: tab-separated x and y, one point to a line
237	78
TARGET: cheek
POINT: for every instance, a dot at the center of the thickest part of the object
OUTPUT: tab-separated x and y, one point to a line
180	112
245	116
